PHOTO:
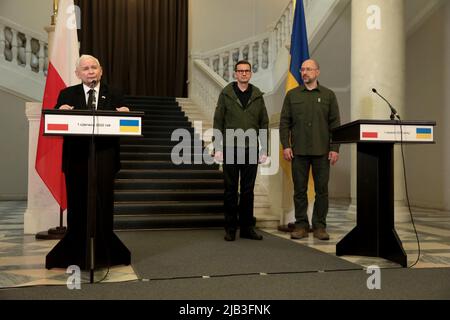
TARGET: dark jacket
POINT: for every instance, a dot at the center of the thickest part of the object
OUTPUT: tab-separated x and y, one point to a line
76	149
307	119
231	114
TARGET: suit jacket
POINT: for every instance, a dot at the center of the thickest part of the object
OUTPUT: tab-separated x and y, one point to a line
76	149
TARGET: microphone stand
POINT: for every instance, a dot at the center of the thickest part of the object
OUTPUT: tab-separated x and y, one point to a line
394	113
92	191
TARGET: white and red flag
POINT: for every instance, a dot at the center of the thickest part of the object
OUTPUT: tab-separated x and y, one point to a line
61	74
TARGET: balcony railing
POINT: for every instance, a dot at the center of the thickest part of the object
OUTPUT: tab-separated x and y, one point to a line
22	48
262	50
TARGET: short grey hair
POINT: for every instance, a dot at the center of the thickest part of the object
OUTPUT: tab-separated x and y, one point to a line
86	56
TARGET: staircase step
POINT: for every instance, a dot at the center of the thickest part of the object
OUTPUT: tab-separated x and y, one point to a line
164	207
170	117
170	174
166	134
166	145
154	156
149	98
155	108
152	103
171	128
189	184
128	164
166	123
146	148
154	141
162	112
143	148
160	195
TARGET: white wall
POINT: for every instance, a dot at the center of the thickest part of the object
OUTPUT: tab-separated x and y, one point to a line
13	148
427	86
34	16
217	23
31	14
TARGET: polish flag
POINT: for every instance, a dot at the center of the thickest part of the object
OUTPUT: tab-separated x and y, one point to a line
61	74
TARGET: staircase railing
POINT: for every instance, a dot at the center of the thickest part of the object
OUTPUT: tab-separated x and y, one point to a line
23	55
206	87
23	48
261	50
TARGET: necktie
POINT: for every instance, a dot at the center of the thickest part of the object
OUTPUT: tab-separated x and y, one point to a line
91	99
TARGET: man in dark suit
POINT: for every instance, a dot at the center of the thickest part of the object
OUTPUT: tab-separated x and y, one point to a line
72	249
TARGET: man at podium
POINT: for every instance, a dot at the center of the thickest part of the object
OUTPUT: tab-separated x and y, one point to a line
73	248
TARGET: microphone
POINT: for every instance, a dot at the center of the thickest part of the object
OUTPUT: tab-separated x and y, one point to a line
393	111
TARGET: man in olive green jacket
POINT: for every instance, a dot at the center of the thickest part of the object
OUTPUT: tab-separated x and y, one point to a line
239	116
309	113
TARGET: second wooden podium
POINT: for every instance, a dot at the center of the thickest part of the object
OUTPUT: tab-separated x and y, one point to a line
374	234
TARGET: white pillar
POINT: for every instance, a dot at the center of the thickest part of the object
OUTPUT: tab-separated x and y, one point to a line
378	61
42	209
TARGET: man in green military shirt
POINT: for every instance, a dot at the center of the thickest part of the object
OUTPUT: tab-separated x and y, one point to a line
240	117
309	113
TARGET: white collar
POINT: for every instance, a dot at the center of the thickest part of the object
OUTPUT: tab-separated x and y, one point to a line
96	88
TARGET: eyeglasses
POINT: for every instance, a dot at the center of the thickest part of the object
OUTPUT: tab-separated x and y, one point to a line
307	69
243	71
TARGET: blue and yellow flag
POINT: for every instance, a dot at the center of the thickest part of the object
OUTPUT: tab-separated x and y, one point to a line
299	47
299	52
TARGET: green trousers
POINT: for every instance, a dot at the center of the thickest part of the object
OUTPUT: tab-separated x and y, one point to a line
300	174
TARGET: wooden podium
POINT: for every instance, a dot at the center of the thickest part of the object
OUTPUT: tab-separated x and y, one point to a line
84	127
374	234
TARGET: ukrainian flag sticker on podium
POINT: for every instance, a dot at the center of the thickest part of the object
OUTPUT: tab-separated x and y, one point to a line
129	125
424	133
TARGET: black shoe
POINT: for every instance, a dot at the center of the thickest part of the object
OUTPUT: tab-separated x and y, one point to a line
230	235
250	234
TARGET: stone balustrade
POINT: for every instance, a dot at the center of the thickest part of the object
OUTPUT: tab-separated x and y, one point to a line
21	48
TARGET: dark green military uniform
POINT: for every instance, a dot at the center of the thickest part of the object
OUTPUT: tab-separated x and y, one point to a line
231	114
307	119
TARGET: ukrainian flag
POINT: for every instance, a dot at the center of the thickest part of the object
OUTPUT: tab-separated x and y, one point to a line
299	52
129	125
299	47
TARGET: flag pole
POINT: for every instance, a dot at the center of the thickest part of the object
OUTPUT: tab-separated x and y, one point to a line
55	12
54	233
